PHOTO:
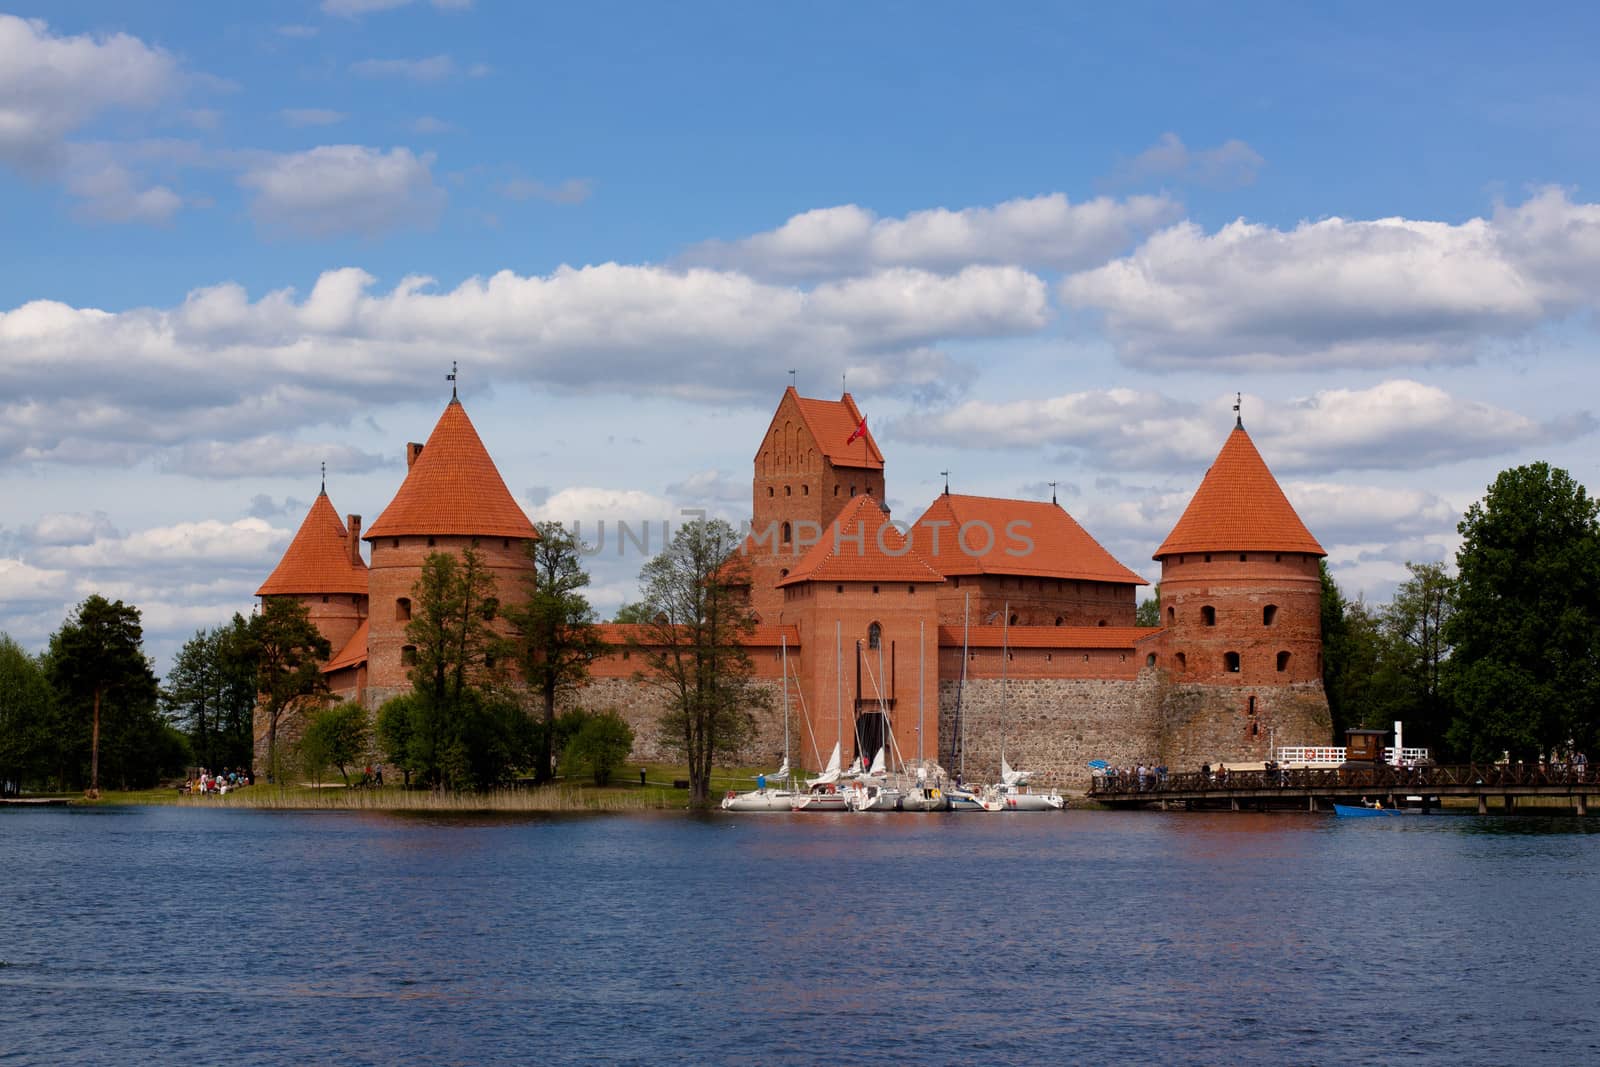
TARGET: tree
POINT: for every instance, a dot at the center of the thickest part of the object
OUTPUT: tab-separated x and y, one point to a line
337	736
1333	647
1526	621
600	745
454	604
288	651
211	692
1415	652
396	727
631	613
98	653
29	732
556	638
692	645
1148	613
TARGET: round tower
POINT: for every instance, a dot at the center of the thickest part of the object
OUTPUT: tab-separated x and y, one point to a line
323	570
1241	610
452	498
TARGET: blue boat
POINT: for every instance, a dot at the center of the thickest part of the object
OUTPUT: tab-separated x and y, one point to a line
1355	811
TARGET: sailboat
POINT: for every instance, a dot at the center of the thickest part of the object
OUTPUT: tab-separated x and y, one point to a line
960	798
763	798
822	793
1012	790
922	794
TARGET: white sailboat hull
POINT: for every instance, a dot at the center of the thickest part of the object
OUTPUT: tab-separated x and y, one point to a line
1032	802
819	802
759	800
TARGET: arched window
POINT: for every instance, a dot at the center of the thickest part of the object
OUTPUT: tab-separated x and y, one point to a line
1013	618
402	609
787	534
805	490
1230	662
836	490
1283	662
1150	660
1269	614
1172	616
874	636
1059	620
1180	661
1208	615
1101	622
769	490
788	490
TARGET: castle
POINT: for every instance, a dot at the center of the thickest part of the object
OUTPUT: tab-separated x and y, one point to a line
987	627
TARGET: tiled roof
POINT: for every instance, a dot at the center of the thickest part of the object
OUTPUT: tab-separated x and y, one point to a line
1239	507
619	633
832	422
452	488
861	546
1060	547
318	559
353	654
1080	637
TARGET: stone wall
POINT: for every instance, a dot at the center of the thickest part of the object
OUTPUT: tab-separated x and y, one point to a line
641	706
1211	723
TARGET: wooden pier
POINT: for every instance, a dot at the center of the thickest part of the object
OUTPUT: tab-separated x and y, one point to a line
1494	786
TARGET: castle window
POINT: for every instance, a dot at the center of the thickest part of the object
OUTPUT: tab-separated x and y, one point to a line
394	542
1150	660
1010	656
852	490
430	542
874	633
787	534
958	581
324	600
1269	614
783	573
474	542
839	588
805	490
505	542
1243	558
488	661
1013	618
408	656
1208	557
1255	729
402	609
1102	622
911	590
1086	657
1252	707
1180	661
1047	657
1058	620
1278	558
788	490
1208	615
836	490
874	590
1172	616
1230	662
769	490
1283	662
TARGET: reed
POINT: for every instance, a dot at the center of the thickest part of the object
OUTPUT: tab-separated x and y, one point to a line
549	798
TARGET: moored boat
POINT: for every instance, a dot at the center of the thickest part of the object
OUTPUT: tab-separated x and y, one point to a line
1357	811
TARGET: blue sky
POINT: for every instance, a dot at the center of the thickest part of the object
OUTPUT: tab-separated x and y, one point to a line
1045	243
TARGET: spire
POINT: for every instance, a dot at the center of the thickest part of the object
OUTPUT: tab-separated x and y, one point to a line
324	490
792	379
453	488
1239	507
946	482
1052	492
318	559
1238	419
451	378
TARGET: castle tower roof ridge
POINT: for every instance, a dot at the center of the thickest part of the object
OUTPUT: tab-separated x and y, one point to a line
453	488
1060	546
840	556
318	559
832	422
1239	507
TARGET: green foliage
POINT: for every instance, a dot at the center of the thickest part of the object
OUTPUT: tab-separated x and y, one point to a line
1414	655
556	638
339	737
1148	613
692	645
600	746
1526	621
453	603
211	692
396	719
107	693
30	730
631	613
287	650
1334	650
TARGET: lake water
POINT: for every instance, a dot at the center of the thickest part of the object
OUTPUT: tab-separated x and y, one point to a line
164	935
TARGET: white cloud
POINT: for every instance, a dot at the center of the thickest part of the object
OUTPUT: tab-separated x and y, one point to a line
266	456
344	189
87	385
1339	292
311	116
21	583
1340	514
112	194
711	486
70	528
52	86
246	543
1398	424
1042	231
571	191
1229	165
428	69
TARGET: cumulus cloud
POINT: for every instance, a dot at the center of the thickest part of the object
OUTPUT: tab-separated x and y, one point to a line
23	584
1397	424
69	528
52	86
1042	231
113	194
344	189
1340	292
711	486
246	543
266	456
1343	514
1229	165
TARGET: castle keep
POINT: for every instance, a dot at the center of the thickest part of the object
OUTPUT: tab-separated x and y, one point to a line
985	624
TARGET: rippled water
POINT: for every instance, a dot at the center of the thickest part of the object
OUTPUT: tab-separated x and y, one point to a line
215	937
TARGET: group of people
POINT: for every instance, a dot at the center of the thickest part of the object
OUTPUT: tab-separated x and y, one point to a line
219	784
1141	777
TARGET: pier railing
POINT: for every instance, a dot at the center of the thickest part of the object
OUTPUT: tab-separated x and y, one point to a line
1379	777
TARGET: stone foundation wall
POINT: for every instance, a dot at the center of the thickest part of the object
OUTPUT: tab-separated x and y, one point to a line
641	706
1211	723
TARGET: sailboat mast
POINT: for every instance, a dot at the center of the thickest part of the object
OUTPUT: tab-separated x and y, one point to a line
1005	654
961	723
783	645
921	626
838	683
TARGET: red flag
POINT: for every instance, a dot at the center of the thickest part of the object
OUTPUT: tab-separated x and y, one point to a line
860	431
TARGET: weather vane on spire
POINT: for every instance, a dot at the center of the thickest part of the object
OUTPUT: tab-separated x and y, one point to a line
451	378
792	379
1238	419
844	383
946	482
324	477
1052	491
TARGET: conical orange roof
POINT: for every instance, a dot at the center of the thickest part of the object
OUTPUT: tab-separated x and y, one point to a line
318	559
861	546
453	488
1239	507
1027	537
